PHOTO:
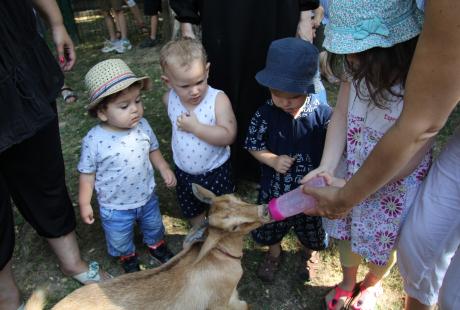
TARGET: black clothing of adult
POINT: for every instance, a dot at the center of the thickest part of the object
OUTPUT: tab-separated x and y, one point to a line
30	78
236	35
31	163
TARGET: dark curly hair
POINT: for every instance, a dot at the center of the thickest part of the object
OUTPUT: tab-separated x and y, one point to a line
378	68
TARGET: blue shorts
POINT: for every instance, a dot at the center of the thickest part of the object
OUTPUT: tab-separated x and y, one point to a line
119	227
219	181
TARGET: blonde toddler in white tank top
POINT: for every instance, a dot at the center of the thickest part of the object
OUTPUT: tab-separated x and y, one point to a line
203	124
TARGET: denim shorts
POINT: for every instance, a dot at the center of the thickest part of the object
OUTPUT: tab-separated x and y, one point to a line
119	227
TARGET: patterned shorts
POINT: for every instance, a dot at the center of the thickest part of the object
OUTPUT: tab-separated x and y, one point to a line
309	231
219	181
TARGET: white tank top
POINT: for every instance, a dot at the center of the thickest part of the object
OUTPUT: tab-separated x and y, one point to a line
190	153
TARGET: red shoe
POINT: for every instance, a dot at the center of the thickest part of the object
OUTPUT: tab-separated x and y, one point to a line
340	296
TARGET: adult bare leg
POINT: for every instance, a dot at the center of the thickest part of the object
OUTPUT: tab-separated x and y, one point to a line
9	292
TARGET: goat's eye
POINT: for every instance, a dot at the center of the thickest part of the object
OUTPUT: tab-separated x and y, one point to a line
234	228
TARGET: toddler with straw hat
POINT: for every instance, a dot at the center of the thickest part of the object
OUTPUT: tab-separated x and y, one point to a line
116	159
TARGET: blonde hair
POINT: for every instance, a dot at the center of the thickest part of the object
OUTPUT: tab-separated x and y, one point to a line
182	52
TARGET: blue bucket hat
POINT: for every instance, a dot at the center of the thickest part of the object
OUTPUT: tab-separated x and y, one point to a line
290	66
356	26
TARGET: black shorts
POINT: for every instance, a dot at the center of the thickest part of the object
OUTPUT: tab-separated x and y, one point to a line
152	7
309	231
219	181
32	174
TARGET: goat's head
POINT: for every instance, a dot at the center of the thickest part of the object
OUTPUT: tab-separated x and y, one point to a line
228	216
229	213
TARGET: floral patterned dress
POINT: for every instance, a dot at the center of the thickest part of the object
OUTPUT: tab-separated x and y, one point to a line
373	225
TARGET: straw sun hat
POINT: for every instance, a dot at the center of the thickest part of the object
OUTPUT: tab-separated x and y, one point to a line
109	77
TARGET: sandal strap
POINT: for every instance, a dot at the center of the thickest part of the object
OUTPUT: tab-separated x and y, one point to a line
339	293
367	294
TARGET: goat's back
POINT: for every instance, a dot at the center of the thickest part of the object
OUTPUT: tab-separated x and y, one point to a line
184	286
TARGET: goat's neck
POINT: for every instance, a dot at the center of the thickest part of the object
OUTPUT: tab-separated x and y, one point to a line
232	245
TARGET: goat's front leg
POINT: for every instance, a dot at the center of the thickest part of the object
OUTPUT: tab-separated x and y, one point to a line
235	303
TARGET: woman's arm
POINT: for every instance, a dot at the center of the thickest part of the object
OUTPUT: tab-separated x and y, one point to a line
432	92
49	10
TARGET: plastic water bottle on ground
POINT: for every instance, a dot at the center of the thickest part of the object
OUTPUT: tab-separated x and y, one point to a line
295	201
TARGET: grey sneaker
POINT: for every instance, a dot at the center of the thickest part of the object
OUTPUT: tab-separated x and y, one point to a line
123	46
110	46
126	44
148	42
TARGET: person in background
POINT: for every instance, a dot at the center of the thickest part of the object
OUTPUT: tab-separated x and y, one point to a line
286	135
116	159
138	18
430	266
203	126
115	44
151	8
31	163
236	35
376	43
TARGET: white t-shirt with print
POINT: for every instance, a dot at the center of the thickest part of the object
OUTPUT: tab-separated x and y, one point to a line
120	160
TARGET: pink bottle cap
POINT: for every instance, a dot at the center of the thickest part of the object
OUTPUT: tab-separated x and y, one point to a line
274	212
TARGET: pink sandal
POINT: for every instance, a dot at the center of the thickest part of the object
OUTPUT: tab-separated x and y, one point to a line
339	293
367	297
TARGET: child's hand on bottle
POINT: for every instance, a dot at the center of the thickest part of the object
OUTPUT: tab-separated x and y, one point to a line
282	163
187	122
86	214
314	173
169	178
332	180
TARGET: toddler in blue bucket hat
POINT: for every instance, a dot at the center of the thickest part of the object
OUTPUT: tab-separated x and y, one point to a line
286	135
372	43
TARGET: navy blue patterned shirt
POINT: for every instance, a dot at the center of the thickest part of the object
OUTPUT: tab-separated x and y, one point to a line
301	138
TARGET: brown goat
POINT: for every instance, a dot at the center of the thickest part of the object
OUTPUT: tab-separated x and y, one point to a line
204	275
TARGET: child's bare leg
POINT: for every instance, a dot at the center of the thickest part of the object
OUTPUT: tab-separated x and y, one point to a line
198	220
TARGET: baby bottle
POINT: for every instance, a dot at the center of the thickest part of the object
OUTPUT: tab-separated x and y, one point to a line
295	201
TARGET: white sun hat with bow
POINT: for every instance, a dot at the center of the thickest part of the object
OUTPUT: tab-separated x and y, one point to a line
358	25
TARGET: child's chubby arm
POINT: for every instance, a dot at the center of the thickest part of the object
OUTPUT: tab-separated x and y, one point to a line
223	133
85	193
160	164
281	163
165	99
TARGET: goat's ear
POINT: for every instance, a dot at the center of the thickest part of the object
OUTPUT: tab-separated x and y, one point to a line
202	194
196	234
213	238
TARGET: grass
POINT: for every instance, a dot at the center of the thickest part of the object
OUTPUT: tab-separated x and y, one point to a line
35	265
